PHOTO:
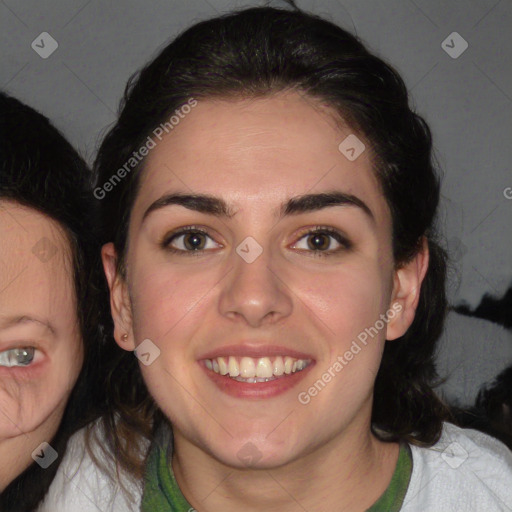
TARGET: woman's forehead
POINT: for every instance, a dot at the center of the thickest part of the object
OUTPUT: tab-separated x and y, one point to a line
275	148
275	124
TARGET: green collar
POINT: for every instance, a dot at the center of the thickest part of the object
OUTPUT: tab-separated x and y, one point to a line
393	497
162	494
161	491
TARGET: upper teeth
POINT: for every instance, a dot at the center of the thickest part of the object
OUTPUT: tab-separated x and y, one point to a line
263	367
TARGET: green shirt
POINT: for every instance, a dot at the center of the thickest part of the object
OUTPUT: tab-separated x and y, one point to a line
162	494
393	497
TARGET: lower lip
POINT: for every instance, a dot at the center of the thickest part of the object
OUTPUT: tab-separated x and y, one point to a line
256	390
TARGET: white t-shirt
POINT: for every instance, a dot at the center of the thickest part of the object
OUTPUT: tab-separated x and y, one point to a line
81	486
465	471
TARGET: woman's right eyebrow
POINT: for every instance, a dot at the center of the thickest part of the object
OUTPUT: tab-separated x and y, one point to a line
203	203
216	206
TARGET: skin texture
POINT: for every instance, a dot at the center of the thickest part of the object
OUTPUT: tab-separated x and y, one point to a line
33	397
256	155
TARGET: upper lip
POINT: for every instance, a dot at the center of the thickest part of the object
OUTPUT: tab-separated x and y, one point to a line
254	350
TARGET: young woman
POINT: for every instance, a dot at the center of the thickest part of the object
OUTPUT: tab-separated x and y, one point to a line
269	204
49	321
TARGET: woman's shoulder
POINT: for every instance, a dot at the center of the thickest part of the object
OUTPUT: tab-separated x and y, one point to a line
82	485
465	470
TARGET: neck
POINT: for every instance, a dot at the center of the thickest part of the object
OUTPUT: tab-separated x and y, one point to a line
348	473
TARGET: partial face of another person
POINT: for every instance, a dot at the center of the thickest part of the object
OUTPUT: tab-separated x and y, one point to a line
251	307
40	341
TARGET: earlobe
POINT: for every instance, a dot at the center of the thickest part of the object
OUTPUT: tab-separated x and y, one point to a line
407	282
120	305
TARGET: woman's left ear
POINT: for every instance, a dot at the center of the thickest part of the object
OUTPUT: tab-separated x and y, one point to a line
407	282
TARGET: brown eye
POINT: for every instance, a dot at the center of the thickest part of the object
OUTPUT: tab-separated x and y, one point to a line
194	241
318	242
189	241
322	240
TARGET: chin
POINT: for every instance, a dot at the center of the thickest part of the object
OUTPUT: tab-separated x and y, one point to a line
252	453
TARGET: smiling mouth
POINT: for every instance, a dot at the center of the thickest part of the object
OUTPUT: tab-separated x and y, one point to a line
252	370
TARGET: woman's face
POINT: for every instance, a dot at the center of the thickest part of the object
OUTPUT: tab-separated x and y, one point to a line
263	293
40	343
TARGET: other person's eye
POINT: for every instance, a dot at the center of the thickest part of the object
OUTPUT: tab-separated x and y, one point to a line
21	356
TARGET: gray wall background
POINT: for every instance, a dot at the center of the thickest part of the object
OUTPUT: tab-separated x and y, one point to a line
466	100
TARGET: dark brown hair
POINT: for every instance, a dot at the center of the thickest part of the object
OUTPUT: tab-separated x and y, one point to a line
255	53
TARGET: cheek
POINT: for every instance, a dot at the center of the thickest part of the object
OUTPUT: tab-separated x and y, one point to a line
12	399
346	300
167	301
26	404
169	306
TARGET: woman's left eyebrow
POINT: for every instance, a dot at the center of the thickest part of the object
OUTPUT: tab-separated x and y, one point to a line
7	322
216	206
